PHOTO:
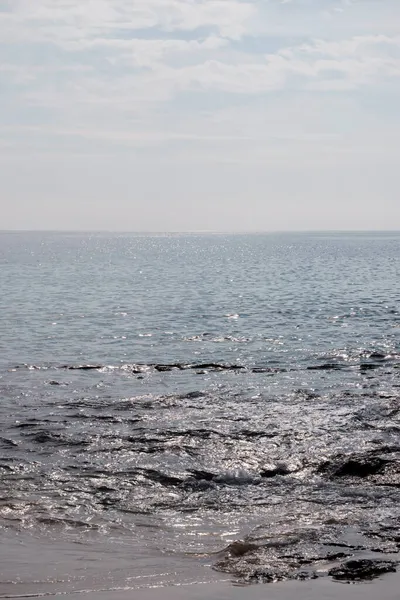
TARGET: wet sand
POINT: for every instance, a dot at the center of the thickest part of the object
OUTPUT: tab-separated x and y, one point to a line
323	589
35	568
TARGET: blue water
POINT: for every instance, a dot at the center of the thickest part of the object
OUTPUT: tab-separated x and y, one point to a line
188	391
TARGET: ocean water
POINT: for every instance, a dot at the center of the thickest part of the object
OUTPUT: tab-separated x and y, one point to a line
177	408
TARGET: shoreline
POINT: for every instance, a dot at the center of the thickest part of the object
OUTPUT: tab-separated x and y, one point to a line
36	567
321	589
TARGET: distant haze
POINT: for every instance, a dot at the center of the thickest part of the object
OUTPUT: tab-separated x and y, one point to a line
176	115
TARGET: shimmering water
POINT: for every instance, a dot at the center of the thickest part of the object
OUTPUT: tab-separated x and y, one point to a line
177	394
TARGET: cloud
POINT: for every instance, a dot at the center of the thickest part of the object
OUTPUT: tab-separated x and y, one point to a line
277	105
174	66
347	64
57	20
136	48
129	72
361	46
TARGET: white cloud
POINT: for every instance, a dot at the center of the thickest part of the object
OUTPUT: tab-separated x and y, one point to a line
341	65
57	20
274	107
112	39
130	72
169	70
362	46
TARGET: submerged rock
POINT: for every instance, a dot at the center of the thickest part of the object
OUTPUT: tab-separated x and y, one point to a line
292	555
380	467
360	467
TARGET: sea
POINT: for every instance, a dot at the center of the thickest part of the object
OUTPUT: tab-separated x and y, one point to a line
187	408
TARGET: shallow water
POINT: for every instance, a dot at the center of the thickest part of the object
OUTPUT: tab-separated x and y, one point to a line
177	394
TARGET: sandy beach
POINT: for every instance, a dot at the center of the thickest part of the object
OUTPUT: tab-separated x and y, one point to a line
387	589
322	589
32	567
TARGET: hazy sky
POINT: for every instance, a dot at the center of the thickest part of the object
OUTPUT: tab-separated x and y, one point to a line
199	114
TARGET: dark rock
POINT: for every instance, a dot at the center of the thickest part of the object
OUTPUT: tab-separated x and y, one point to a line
162	478
7	443
190	395
267	576
360	467
42	437
282	470
372	467
367	366
269	370
363	465
83	368
139	368
203	475
240	548
362	569
217	367
325	367
306	575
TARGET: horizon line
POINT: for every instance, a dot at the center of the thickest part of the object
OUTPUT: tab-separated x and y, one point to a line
200	231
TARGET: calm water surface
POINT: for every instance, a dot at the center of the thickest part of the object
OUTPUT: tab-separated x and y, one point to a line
164	397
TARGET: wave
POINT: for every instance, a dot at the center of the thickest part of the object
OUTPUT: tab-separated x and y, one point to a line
371	361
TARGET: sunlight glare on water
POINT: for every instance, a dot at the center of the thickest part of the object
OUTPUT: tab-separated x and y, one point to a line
230	400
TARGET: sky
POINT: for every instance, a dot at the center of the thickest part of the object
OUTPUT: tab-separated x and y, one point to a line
187	115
